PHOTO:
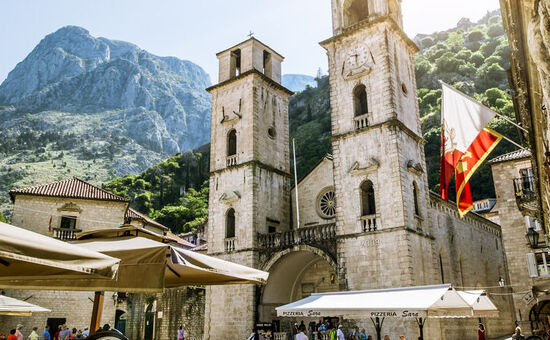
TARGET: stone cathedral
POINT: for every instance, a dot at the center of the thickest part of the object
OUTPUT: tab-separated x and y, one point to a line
367	219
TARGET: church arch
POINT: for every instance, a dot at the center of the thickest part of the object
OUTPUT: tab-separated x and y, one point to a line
230	223
232	143
355	11
368	202
360	103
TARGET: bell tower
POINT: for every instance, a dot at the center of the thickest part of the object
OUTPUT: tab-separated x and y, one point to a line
379	166
249	174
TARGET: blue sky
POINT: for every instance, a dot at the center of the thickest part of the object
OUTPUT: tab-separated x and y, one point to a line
196	30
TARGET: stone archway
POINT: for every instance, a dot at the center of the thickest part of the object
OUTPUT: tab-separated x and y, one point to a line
295	273
536	313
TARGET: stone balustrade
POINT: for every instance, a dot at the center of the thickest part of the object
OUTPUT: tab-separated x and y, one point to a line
361	121
232	160
65	234
280	336
304	235
230	244
369	223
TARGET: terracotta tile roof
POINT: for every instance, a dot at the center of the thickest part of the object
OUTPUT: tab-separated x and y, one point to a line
69	188
181	241
136	215
511	156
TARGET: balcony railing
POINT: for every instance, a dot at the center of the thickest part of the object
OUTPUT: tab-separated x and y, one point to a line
524	188
65	233
229	244
361	121
305	235
369	223
231	160
280	336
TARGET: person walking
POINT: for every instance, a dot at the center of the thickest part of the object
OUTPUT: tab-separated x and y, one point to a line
181	333
301	333
46	335
517	335
340	333
363	334
355	334
332	333
12	335
18	333
34	334
481	332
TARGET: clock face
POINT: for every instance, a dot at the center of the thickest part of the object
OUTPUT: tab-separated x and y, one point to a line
357	62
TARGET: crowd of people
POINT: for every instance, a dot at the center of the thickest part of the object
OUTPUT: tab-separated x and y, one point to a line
62	333
326	331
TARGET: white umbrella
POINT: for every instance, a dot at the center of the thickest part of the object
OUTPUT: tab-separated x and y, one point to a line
11	306
481	303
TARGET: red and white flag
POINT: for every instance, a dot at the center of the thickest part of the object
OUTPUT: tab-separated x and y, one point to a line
465	142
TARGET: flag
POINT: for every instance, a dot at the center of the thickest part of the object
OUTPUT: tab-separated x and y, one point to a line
481	147
462	120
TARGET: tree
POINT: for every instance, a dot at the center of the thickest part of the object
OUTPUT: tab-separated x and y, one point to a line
476	36
495	30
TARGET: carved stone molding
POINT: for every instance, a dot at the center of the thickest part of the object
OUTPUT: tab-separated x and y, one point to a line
70	207
231	197
372	165
415	167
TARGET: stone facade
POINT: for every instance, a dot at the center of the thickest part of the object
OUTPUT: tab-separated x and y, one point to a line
34	213
387	229
514	227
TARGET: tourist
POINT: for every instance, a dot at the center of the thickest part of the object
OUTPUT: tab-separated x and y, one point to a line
12	335
481	332
340	333
18	334
3	336
355	333
65	333
363	334
181	333
332	334
79	335
301	333
386	337
56	334
369	337
86	333
46	335
34	334
516	336
401	337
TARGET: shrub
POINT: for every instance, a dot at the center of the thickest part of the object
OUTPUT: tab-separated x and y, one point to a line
427	42
476	36
477	59
495	30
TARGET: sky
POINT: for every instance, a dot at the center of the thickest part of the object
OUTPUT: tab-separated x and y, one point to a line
196	30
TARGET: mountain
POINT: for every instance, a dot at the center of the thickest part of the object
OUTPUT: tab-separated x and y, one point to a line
97	108
298	82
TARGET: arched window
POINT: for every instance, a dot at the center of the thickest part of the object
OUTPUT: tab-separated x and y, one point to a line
355	11
368	206
232	143
360	106
230	223
415	198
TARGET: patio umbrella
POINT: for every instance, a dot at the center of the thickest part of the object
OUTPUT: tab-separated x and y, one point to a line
11	306
26	255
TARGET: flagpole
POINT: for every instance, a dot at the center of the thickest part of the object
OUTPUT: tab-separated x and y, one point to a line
498	114
296	185
512	142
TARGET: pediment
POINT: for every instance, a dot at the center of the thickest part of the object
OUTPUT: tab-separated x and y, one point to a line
415	167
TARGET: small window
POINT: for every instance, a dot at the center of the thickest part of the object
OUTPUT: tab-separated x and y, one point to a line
230	224
232	143
271	132
68	222
271	229
360	100
267	64
441	269
404	89
368	206
235	67
415	198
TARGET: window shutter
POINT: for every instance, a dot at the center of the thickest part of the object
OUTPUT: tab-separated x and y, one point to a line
532	265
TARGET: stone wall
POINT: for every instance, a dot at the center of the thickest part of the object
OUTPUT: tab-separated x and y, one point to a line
75	307
173	308
33	213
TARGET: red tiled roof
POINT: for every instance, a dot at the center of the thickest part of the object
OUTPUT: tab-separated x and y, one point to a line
134	214
69	188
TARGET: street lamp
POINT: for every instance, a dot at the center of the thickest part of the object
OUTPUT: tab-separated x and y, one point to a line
501	281
532	237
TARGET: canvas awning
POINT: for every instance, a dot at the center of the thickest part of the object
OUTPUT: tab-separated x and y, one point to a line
11	306
406	302
26	255
149	266
481	303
